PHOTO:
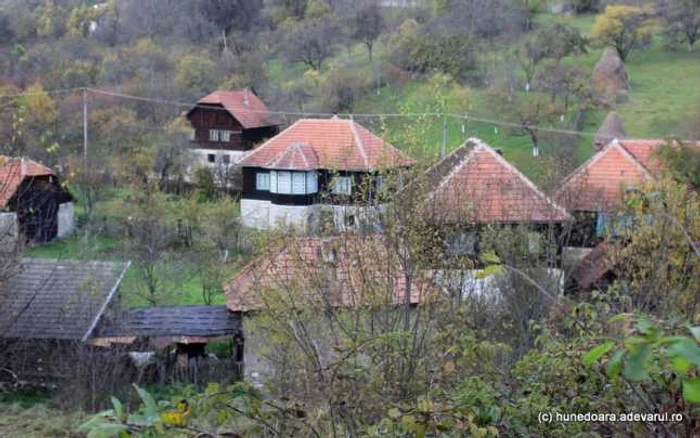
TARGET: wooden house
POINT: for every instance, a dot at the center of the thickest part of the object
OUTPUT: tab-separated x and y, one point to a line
595	193
63	322
475	187
43	207
343	272
316	168
597	188
227	124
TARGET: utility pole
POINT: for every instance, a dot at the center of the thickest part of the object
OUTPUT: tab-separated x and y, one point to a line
85	130
443	146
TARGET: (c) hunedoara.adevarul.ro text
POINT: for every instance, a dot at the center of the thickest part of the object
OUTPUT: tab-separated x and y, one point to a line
609	417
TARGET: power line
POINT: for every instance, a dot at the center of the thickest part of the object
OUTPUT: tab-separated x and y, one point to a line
50	92
347	115
457	116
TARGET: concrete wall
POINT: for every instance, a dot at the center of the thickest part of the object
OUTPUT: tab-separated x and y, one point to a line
264	215
199	156
66	220
9	232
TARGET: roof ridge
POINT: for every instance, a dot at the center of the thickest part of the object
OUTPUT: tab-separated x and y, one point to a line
266	144
453	172
356	136
106	302
594	159
632	158
521	175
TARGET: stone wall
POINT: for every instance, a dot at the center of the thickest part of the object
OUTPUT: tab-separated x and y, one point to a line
66	220
9	231
264	215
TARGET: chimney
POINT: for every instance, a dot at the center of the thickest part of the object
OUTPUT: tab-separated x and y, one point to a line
245	97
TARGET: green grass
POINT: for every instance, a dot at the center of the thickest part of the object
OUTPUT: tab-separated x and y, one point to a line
37	421
665	87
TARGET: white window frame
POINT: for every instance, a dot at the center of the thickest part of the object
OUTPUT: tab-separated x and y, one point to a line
213	135
342	185
262	181
284	182
225	136
311	182
298	183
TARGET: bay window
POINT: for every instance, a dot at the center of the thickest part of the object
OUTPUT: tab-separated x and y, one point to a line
293	183
262	181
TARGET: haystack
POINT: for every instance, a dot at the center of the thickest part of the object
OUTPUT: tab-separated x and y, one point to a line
609	73
611	128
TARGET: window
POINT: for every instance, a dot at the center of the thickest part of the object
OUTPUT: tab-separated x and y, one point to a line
534	241
461	244
211	158
311	182
226	158
299	183
213	135
225	136
262	181
379	183
284	183
342	185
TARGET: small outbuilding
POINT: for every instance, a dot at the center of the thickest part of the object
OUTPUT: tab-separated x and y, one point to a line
32	191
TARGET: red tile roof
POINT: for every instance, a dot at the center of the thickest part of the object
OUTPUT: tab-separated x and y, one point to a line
479	185
600	183
298	156
13	171
340	272
244	106
337	144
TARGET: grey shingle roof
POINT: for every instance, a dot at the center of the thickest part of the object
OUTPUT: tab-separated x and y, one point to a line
57	299
205	321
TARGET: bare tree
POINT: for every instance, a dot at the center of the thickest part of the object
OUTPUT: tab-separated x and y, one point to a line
367	24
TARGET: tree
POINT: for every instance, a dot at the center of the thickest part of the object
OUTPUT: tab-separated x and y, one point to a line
683	163
79	21
367	24
150	235
310	41
529	111
624	27
681	18
556	41
196	73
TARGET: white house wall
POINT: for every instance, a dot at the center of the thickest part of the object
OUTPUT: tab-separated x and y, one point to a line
66	219
264	215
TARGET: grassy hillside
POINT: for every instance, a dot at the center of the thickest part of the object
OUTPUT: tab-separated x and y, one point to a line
665	88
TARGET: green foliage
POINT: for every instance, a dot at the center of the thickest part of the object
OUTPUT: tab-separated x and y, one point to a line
196	73
624	27
650	354
683	163
416	49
